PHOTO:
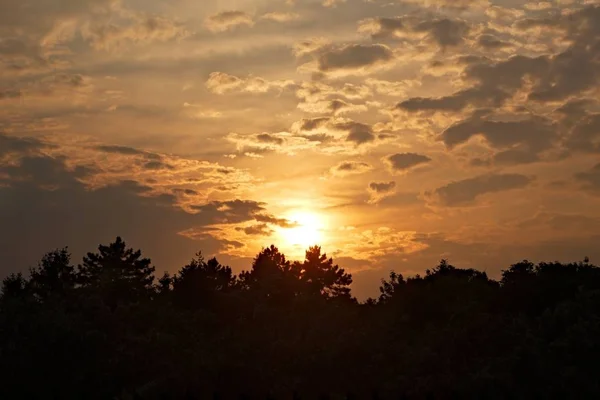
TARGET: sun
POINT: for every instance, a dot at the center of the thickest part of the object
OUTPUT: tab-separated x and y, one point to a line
306	230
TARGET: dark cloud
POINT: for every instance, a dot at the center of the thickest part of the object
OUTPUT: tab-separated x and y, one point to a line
495	83
401	162
521	141
576	69
268	138
256	230
514	157
154	161
466	191
358	133
11	144
476	96
585	136
157	165
491	42
318	137
444	32
310	124
129	151
351	168
46	206
382	187
230	212
270	219
590	180
354	57
188	192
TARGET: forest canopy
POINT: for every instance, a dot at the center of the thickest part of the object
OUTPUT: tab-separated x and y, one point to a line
109	327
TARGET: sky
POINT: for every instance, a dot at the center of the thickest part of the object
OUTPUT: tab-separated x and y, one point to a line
393	133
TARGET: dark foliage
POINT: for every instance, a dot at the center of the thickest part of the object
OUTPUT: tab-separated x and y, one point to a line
291	330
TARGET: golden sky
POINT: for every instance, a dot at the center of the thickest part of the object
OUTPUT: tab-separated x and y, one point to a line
394	133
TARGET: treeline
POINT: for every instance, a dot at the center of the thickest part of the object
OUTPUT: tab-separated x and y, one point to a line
108	329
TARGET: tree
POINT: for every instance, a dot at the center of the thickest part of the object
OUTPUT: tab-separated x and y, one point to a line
321	276
199	283
390	288
14	286
119	273
272	276
53	276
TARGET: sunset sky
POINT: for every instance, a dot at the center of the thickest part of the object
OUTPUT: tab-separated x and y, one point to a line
394	133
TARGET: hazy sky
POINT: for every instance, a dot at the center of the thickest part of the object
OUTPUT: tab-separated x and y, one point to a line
395	133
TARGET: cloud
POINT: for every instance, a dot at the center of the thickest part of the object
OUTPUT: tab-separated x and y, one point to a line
309	46
357	133
310	124
106	25
382	187
476	96
389	88
141	29
355	59
256	230
270	219
227	20
125	150
281	16
443	32
521	141
451	4
462	193
268	138
157	165
319	92
20	146
41	193
402	162
230	211
590	180
380	190
334	107
351	168
256	145
490	42
585	135
222	83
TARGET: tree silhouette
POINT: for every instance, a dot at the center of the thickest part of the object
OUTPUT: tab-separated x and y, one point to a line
276	331
118	273
14	286
391	287
199	283
54	275
272	276
322	277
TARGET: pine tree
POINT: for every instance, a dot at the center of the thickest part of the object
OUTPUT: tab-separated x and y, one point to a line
118	273
323	277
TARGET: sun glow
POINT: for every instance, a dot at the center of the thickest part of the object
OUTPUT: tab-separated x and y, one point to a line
306	230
